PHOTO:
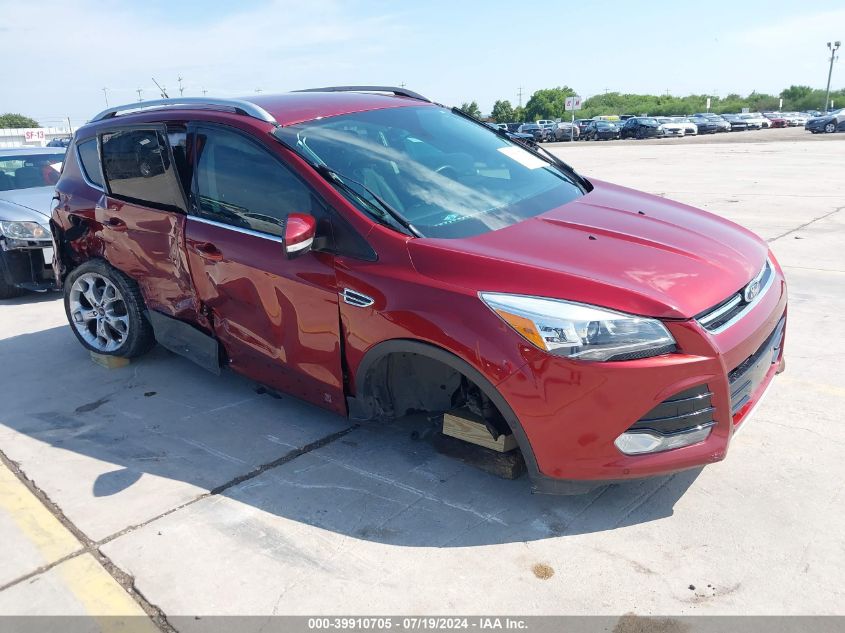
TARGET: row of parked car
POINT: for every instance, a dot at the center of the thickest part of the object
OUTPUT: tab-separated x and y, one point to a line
630	126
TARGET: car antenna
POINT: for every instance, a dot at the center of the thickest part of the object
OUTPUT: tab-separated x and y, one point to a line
163	92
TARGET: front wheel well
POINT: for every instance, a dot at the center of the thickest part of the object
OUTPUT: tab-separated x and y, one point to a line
399	377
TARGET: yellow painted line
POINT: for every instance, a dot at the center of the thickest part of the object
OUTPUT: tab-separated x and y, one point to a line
52	539
100	595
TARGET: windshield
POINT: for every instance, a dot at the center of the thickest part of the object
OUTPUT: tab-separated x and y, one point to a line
30	170
446	175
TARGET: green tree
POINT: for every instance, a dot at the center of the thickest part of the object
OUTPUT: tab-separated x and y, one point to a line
761	102
795	93
502	111
518	114
548	103
471	109
16	120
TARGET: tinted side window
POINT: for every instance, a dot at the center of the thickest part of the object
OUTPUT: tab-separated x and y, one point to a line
241	184
90	160
137	167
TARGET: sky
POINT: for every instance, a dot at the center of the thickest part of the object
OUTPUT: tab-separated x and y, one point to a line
59	54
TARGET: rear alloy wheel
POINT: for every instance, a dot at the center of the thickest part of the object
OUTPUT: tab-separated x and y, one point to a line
105	310
830	127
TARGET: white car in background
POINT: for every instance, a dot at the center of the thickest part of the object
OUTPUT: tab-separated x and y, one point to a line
670	127
756	121
795	118
28	177
690	128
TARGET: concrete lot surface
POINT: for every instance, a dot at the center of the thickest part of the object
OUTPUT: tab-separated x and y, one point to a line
160	487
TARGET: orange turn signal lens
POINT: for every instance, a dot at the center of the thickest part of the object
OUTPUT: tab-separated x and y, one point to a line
524	327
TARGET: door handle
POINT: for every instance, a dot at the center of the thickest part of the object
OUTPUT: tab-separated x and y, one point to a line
207	250
116	223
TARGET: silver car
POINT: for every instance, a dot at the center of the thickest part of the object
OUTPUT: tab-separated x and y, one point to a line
27	179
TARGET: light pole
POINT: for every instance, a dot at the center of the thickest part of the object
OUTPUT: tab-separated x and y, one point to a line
833	48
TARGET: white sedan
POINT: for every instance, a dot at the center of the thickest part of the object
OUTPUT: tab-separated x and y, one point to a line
690	128
755	120
670	127
795	118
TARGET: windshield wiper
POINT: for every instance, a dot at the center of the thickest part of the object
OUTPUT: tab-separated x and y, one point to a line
343	181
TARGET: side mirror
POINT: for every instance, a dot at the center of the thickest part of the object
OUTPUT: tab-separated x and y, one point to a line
300	229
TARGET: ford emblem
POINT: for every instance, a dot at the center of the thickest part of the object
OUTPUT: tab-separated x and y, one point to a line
751	291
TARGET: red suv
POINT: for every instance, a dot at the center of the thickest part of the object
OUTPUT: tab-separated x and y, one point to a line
376	254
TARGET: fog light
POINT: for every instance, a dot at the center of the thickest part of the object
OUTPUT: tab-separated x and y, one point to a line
639	442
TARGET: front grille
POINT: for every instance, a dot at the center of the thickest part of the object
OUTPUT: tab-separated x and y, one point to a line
746	377
726	313
681	412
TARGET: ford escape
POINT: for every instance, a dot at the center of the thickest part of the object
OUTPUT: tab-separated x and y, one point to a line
375	253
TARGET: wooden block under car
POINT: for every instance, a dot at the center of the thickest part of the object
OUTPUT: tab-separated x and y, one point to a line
109	362
466	438
508	465
466	426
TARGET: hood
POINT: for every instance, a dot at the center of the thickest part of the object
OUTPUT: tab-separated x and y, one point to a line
26	205
614	247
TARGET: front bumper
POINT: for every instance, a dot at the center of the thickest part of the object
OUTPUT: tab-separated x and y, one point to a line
817	126
572	412
27	264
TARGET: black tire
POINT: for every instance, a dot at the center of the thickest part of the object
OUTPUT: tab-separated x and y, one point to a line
830	128
140	337
8	291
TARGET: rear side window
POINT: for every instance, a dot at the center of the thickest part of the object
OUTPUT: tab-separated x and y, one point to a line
138	169
241	184
90	161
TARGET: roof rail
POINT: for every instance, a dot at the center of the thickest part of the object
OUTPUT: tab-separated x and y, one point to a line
400	92
237	106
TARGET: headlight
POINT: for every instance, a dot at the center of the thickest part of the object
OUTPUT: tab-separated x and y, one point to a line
24	230
581	331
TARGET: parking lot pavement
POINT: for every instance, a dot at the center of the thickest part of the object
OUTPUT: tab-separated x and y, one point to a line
214	498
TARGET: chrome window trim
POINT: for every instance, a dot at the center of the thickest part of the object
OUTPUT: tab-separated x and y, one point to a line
238	229
85	177
750	305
